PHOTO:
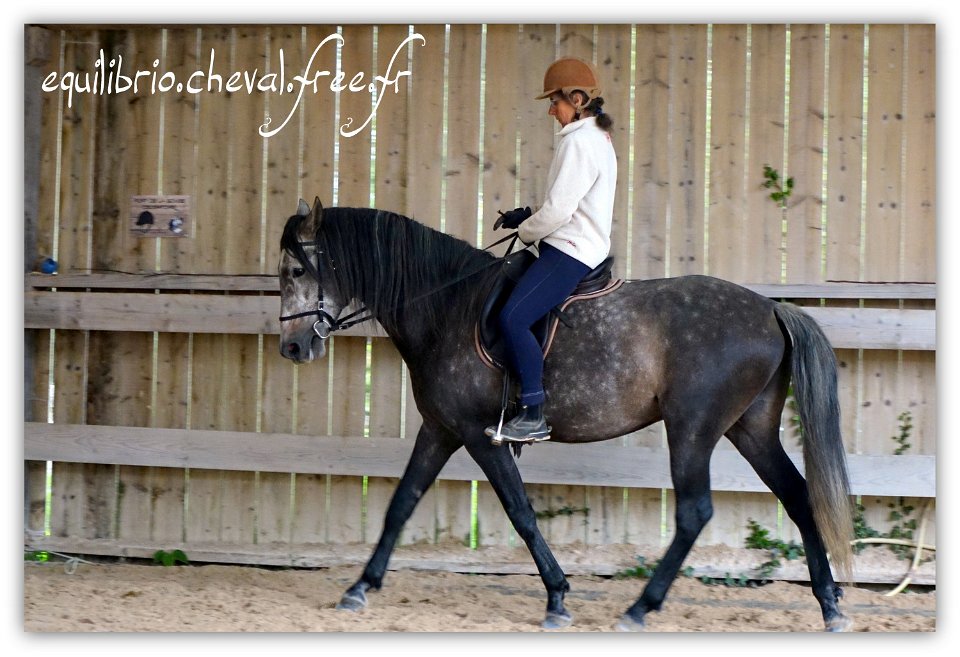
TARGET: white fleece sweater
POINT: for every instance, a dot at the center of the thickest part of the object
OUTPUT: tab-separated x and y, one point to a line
577	214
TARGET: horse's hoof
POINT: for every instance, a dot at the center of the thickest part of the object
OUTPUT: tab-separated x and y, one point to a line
630	624
557	621
839	624
352	601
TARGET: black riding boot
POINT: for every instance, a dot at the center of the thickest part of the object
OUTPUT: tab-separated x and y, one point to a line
529	426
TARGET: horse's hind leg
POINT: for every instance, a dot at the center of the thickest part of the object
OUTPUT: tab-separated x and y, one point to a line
430	453
690	451
501	471
756	436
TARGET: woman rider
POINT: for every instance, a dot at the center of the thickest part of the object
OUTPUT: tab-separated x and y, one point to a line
572	227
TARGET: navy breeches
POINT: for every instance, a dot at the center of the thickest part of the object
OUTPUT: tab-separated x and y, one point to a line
547	283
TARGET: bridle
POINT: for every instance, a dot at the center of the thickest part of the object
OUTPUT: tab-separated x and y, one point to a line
326	323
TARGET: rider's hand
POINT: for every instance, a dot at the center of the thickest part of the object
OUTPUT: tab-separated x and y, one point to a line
513	218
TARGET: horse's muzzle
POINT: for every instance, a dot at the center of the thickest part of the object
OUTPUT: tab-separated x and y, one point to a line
304	349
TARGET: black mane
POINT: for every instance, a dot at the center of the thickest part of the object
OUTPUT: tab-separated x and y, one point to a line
396	266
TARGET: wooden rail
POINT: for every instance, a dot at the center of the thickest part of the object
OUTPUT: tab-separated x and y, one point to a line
587	465
268	283
251	310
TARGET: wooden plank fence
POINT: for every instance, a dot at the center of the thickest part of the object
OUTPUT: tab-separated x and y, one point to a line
158	411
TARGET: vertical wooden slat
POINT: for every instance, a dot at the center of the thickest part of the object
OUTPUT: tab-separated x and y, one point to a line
920	152
918	369
763	226
69	501
884	205
500	126
727	213
275	489
424	130
344	522
805	153
79	130
878	417
604	521
614	61
651	155
168	485
917	395
180	141
688	80
319	124
35	472
463	121
642	508
48	181
385	387
845	150
357	55
575	40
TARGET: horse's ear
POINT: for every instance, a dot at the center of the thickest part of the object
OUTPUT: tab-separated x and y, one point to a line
303	209
316	214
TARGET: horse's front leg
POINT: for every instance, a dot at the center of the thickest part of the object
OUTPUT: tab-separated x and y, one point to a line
431	451
501	471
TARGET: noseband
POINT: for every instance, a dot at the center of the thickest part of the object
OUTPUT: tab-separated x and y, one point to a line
326	323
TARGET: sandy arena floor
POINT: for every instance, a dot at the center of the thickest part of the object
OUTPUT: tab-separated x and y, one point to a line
217	598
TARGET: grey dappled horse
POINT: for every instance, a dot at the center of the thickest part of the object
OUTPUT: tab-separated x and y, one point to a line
707	357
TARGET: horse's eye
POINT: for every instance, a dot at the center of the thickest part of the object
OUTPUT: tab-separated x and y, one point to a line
298	272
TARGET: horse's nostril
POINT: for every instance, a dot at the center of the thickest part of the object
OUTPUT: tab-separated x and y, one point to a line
293	349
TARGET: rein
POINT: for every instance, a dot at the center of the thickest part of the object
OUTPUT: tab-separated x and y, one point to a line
327	324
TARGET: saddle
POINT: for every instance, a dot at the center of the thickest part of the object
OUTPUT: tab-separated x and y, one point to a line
489	340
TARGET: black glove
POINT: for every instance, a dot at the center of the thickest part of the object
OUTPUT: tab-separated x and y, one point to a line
513	218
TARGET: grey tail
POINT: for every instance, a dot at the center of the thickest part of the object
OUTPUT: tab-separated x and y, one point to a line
814	370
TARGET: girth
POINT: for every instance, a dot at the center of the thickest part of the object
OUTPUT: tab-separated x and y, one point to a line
488	339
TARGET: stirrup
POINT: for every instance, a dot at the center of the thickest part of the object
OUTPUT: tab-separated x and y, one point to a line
497	437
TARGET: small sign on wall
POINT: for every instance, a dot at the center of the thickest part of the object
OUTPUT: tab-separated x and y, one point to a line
160	216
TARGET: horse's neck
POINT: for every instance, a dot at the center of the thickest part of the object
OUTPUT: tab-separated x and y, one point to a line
426	299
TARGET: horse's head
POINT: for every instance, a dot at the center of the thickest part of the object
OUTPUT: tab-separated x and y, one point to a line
309	305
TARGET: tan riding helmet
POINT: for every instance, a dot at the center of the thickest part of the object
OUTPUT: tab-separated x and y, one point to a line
569	74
